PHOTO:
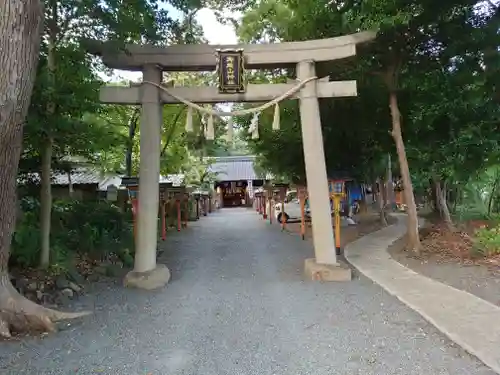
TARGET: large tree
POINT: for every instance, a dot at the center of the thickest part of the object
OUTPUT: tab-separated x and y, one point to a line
67	23
60	105
21	21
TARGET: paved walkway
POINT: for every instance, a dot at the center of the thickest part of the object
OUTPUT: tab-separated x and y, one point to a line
238	305
471	322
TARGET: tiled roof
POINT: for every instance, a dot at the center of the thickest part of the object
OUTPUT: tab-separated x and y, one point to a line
175	179
233	168
79	176
89	176
108	181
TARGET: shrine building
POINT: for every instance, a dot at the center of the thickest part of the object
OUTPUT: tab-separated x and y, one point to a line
236	180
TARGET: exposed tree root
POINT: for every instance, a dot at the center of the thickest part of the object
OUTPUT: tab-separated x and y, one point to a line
19	314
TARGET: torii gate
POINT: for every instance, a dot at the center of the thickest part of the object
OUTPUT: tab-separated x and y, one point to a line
152	61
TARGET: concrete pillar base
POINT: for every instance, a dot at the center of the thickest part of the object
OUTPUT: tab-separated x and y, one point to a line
326	272
154	279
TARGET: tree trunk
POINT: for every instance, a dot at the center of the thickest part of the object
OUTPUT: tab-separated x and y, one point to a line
45	203
381	206
412	232
132	127
383	192
70	185
458	198
46	152
375	197
493	192
19	43
391	200
442	203
364	201
434	198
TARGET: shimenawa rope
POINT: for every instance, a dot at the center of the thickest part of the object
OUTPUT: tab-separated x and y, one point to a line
240	112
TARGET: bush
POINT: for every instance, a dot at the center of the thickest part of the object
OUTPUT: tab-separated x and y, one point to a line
487	241
93	228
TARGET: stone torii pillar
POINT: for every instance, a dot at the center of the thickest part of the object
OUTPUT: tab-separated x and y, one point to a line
146	273
324	266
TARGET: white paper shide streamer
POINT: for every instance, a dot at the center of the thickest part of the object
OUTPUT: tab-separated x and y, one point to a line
254	126
208	125
276	119
210	128
189	119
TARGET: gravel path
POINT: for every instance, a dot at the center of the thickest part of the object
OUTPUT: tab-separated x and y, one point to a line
237	304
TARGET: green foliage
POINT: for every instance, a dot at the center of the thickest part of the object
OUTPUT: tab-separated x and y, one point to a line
437	57
97	229
480	196
178	147
199	174
279	152
487	241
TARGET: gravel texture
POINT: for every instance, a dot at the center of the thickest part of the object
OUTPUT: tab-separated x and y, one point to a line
237	304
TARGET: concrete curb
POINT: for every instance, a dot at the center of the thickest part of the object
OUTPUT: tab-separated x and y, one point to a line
469	321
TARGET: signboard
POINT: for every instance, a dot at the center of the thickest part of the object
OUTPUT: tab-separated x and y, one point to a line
133	194
231	70
337	188
130	181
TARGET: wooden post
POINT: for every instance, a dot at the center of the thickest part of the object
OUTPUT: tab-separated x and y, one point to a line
283	219
186	213
133	197
168	208
301	193
271	208
337	193
336	200
178	205
163	221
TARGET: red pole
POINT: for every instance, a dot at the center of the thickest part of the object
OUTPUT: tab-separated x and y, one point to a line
302	216
186	214
270	211
178	203
163	223
264	208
